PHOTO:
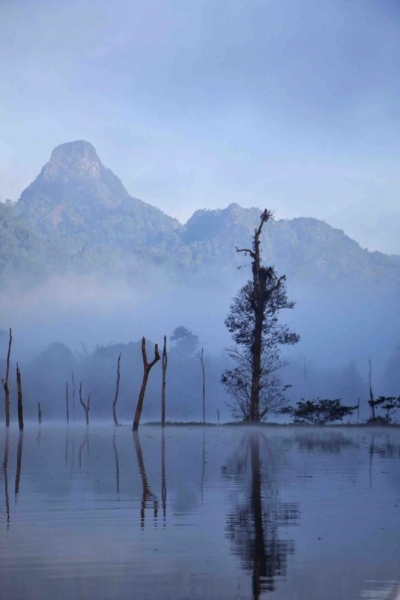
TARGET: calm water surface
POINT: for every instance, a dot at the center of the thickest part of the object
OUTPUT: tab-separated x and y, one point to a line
220	512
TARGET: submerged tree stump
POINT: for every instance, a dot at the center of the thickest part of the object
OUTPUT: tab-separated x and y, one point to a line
86	407
5	381
116	391
164	380
20	407
146	370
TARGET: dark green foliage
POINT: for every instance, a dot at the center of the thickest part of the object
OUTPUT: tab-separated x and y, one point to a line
386	403
240	323
319	411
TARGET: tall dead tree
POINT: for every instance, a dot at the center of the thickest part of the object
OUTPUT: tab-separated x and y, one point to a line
20	407
371	394
204	384
164	364
261	293
73	393
116	391
5	381
86	407
67	400
146	370
39	413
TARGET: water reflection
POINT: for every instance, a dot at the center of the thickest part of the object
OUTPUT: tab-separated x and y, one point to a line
331	443
19	464
4	469
163	479
253	525
147	495
116	461
85	442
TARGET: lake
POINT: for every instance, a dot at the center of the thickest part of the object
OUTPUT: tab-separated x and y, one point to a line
200	513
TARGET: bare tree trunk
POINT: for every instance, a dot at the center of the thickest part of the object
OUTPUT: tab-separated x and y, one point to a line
5	381
86	407
67	400
164	380
116	392
204	384
39	413
371	394
20	407
146	370
73	394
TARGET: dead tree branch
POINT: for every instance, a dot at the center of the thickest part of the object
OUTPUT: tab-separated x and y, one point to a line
5	381
116	391
146	370
86	407
20	407
164	380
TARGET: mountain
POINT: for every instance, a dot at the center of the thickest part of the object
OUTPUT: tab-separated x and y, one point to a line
77	201
77	216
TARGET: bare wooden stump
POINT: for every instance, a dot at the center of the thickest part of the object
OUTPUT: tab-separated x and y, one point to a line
116	391
164	380
20	407
204	384
67	400
146	370
5	381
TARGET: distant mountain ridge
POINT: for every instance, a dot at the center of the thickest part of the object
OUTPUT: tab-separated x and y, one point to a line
78	217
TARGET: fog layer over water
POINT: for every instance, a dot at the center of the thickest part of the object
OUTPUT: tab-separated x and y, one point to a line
216	512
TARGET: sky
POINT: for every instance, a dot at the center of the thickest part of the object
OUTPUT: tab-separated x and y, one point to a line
292	105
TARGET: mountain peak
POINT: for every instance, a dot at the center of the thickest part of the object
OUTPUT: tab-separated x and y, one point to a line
74	159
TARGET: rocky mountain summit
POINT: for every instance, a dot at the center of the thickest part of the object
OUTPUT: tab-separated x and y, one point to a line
80	207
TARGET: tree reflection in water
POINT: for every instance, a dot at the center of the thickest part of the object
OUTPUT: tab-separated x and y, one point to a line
253	525
19	464
147	495
4	470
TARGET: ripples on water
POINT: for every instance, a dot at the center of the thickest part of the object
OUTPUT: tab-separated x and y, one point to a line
197	513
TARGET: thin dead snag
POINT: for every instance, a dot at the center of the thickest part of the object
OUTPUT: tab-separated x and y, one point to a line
116	391
164	380
39	413
204	384
86	407
20	407
146	370
371	394
73	393
67	400
5	381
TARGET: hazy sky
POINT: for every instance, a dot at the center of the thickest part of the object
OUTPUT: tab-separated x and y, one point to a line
289	104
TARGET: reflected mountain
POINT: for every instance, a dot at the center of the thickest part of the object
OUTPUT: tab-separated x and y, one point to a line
253	525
